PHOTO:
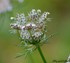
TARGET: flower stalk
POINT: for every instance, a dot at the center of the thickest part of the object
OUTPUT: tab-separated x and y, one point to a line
41	54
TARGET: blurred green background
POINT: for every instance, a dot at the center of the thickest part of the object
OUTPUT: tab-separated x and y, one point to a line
57	48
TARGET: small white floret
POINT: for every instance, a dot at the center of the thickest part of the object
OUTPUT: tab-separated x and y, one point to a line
39	11
12	18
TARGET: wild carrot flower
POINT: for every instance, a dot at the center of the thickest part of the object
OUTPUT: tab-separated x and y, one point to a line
32	29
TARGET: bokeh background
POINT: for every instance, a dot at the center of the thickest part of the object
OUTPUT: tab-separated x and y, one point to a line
57	47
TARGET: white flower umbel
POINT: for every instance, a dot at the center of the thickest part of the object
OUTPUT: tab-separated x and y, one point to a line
32	29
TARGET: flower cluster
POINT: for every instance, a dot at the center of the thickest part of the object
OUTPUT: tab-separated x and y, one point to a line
32	28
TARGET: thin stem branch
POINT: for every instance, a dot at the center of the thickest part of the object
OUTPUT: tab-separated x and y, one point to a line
41	54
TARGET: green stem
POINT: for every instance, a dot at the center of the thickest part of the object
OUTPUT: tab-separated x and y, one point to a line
41	54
